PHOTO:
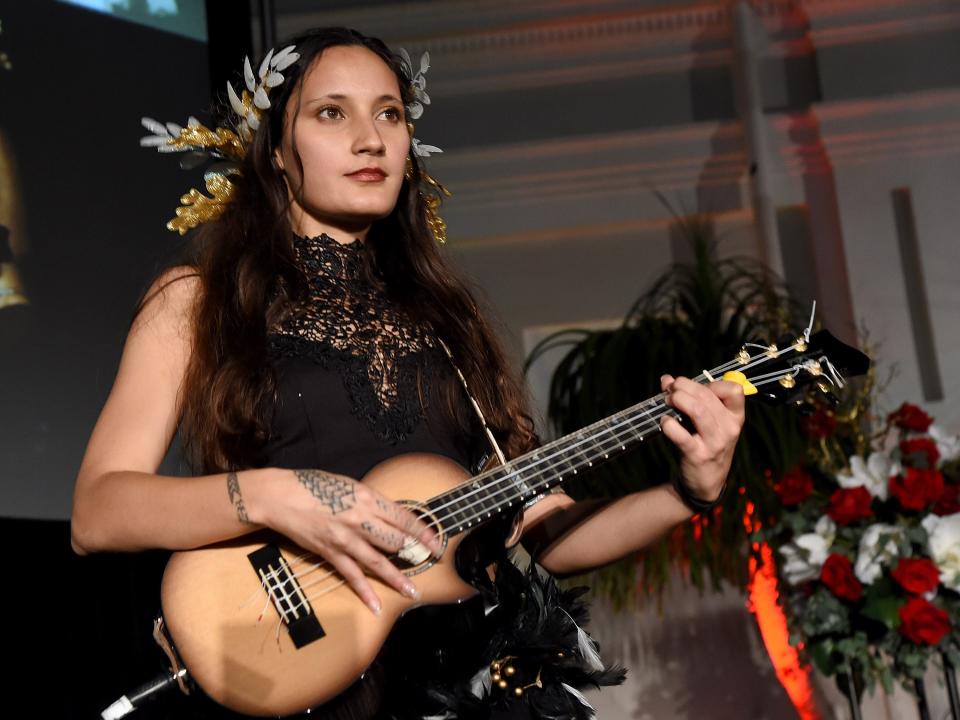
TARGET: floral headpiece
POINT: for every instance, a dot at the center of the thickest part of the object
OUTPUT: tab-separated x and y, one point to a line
420	98
414	110
227	146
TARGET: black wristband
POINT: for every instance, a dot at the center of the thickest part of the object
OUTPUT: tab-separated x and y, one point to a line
698	505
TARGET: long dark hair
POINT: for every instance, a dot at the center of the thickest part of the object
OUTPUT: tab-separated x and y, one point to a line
245	262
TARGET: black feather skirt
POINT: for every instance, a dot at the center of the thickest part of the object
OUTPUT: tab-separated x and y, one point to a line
520	652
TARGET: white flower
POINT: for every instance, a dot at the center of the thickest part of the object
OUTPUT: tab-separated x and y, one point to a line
874	474
807	553
947	445
872	556
944	543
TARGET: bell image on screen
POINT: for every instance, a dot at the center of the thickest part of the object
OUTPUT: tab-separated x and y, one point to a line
82	211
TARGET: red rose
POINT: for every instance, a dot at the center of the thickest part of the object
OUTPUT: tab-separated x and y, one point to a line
920	446
918	488
916	575
820	424
795	486
910	417
922	622
949	502
849	504
837	575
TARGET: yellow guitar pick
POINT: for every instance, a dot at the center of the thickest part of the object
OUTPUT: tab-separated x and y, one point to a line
735	376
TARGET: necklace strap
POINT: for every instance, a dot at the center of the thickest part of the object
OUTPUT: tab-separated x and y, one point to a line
493	442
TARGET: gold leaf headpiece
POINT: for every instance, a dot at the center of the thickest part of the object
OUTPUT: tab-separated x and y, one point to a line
226	145
196	208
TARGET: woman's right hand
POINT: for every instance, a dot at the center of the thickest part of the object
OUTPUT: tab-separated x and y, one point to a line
344	521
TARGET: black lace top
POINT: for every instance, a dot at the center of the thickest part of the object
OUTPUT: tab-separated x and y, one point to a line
357	377
357	381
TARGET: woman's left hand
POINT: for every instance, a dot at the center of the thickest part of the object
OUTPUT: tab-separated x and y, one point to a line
717	412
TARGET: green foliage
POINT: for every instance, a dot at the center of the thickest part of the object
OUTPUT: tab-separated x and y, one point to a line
825	615
882	606
822	655
695	316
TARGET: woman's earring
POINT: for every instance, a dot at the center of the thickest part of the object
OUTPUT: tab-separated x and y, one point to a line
438	227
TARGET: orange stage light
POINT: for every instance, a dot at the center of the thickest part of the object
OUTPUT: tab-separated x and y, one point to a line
762	592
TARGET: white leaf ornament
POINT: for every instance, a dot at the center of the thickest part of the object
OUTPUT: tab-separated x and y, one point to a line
260	99
406	60
424	150
285	58
248	77
235	101
154	126
153	141
265	65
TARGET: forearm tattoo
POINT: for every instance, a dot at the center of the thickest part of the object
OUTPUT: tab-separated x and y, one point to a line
335	493
236	499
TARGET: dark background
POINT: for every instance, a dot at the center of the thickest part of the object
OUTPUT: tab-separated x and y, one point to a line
95	205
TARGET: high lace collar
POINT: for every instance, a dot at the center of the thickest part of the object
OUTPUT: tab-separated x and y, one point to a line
324	239
321	254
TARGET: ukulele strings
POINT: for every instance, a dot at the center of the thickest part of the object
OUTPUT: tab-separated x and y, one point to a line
769	352
614	430
339	581
630	421
617	436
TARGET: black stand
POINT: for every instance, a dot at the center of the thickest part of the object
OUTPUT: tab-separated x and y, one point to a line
851	693
922	706
950	673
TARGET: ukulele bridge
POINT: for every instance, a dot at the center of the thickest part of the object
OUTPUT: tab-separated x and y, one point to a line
287	596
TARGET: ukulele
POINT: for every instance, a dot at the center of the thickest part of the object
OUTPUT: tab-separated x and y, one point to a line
266	628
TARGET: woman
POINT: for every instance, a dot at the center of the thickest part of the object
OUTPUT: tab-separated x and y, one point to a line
301	346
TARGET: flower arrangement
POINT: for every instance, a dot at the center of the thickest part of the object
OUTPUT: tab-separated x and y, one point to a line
869	553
